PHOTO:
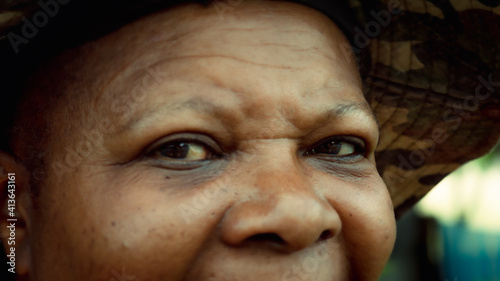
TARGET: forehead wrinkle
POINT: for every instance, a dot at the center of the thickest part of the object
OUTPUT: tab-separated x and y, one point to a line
175	37
141	73
136	54
212	56
161	43
296	48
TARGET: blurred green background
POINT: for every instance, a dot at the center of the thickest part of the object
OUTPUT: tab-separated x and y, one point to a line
453	234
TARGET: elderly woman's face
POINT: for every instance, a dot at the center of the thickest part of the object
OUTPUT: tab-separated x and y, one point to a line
214	145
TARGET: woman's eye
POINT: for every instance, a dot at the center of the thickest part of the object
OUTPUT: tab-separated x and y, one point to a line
338	148
184	150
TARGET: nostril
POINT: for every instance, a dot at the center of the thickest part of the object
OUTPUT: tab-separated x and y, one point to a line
327	234
267	237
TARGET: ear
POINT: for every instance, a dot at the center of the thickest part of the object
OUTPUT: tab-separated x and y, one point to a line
15	204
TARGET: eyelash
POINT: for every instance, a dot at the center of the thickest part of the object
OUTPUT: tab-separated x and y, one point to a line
359	147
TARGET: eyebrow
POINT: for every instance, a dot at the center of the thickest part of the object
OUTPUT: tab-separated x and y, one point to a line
193	104
220	112
346	109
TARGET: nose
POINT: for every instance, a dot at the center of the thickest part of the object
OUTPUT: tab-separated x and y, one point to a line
284	214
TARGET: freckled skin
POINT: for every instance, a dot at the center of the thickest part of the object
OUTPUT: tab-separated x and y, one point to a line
262	211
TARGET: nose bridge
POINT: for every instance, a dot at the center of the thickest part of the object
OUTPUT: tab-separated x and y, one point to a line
283	209
287	180
275	169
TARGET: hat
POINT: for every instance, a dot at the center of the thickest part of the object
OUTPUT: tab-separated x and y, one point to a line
432	70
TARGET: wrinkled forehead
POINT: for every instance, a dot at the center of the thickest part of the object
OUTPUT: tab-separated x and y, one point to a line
183	31
184	45
190	30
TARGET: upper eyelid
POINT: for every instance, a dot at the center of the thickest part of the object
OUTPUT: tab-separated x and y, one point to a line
349	139
345	138
213	147
186	137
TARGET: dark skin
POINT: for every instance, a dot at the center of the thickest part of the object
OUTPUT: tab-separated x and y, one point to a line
207	149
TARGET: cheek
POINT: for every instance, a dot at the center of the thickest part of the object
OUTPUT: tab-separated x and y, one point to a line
130	223
368	224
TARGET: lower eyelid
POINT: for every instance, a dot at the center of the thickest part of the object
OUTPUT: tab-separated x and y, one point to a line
340	160
174	164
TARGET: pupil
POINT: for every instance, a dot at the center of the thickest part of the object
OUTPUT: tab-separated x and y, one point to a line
329	148
177	150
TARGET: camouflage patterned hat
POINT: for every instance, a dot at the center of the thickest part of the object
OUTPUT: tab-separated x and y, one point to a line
433	70
434	86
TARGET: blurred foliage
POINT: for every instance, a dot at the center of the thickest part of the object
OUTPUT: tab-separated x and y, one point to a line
453	252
